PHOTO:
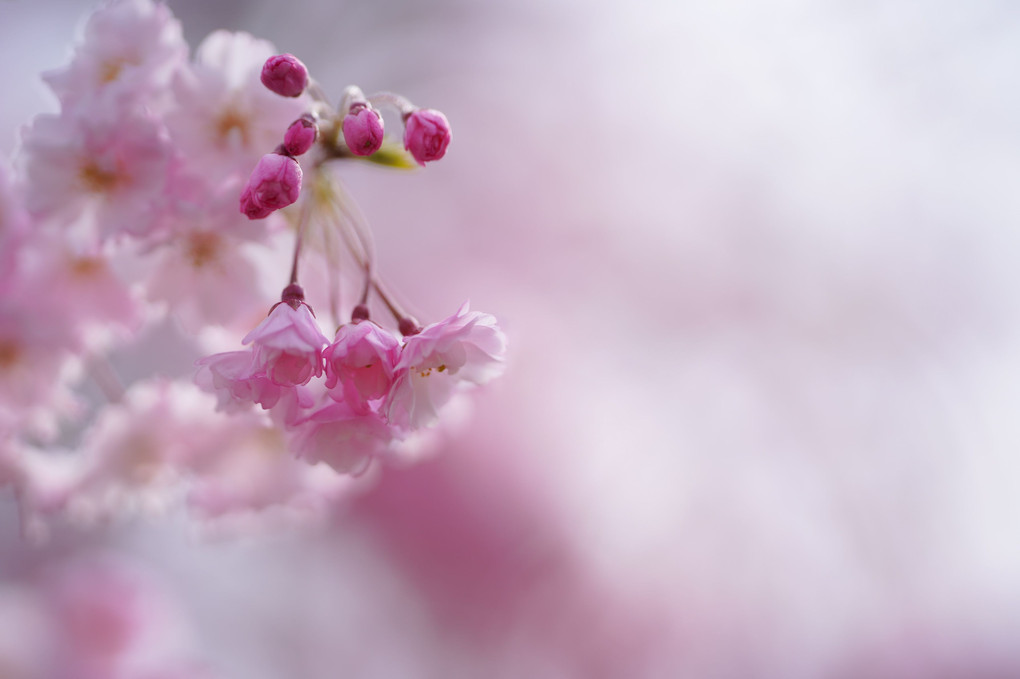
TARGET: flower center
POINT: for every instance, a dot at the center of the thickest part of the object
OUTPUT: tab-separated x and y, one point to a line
425	372
233	124
10	353
144	460
86	267
202	248
97	180
110	70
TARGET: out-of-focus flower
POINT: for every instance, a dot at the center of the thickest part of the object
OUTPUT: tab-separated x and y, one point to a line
205	264
128	55
94	178
344	439
426	135
252	471
224	119
36	353
285	75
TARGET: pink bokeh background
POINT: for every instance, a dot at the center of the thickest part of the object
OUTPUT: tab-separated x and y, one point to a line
756	262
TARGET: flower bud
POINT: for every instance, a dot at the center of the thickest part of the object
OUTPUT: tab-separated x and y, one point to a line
300	136
426	135
285	75
274	183
363	130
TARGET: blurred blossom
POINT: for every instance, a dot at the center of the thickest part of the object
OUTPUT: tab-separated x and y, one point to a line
755	266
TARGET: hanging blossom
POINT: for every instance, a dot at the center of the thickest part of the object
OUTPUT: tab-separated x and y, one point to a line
348	401
156	214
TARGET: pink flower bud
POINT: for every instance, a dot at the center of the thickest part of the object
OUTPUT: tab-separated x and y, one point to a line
300	136
274	183
285	75
426	135
363	130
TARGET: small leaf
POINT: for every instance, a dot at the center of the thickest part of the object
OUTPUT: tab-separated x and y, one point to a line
392	154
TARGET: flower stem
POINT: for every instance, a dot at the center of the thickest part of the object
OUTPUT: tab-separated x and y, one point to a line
393	101
302	222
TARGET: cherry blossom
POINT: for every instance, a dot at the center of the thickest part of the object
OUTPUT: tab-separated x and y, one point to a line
224	119
98	177
128	55
344	439
466	347
287	345
205	265
361	361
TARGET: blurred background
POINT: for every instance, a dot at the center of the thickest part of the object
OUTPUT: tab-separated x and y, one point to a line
756	261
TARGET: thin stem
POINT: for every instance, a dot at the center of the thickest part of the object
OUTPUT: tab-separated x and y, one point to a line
333	271
391	304
356	250
350	224
302	222
393	101
352	95
355	223
316	92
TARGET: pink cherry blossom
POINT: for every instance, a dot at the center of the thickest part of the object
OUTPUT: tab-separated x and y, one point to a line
205	267
105	176
36	364
254	471
274	183
137	449
466	347
285	75
345	440
224	119
363	130
128	55
426	135
95	299
361	361
236	380
287	345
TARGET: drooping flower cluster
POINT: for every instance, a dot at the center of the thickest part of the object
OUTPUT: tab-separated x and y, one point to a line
132	223
375	390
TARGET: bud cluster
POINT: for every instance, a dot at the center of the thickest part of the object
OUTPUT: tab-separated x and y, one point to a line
347	401
356	129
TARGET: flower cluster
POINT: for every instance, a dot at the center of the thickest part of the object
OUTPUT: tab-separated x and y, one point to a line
375	390
132	223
